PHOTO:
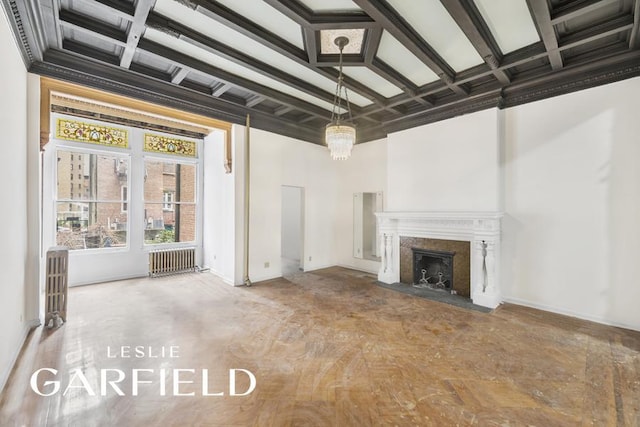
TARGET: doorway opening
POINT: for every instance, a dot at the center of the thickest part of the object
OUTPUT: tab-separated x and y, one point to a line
292	230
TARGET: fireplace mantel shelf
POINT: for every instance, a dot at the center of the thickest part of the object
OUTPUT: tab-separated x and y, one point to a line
481	229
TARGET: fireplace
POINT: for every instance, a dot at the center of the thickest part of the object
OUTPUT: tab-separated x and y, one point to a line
476	263
433	269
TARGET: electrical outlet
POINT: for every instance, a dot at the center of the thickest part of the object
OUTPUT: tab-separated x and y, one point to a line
309	258
266	264
215	257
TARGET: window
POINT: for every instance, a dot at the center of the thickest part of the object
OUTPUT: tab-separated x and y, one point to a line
169	202
93	217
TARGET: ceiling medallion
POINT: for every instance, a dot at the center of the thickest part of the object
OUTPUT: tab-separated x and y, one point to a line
340	135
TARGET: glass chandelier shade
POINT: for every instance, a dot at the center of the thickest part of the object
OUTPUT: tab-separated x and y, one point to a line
340	135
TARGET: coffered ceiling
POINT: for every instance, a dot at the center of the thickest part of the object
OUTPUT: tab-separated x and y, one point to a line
410	62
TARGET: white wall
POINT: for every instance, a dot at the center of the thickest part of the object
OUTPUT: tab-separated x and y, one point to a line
276	161
445	166
364	171
572	197
13	216
219	242
291	223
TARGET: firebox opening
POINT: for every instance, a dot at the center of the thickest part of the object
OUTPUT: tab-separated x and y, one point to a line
433	269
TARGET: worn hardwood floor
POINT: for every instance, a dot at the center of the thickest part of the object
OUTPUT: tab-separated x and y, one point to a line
327	348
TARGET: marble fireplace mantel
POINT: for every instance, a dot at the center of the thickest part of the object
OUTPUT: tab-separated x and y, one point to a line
481	229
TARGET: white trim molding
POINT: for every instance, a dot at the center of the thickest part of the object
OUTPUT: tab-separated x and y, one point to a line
481	229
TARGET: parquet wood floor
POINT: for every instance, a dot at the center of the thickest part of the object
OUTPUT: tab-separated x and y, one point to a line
327	348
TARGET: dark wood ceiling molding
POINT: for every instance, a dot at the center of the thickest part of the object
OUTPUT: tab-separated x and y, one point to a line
468	18
88	51
282	110
605	49
595	32
306	18
386	16
24	19
634	37
179	75
254	100
312	44
121	8
371	43
201	41
183	60
574	78
89	26
248	28
575	8
219	89
61	64
542	18
136	30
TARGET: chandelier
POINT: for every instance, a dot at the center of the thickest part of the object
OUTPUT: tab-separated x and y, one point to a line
340	135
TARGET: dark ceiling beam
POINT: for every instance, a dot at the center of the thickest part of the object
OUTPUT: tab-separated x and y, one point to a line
115	79
219	89
182	60
120	8
96	29
201	41
595	32
616	66
385	71
280	111
237	22
90	51
136	30
576	8
311	44
634	38
542	18
402	31
253	100
306	18
179	75
468	18
371	44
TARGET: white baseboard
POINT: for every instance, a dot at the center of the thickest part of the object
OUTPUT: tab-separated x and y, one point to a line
16	352
364	270
256	279
225	279
570	313
318	267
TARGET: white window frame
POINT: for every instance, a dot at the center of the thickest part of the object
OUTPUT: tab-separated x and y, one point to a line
83	149
197	163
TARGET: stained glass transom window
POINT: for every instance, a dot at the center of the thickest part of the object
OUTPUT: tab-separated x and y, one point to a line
72	130
166	145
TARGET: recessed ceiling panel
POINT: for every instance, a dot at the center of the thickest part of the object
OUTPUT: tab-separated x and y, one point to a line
268	17
230	66
432	21
372	80
328	37
401	59
330	5
219	32
510	23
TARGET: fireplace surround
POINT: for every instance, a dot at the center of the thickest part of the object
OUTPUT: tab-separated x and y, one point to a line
480	229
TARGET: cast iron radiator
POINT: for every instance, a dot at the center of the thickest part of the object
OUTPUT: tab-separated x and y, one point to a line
56	286
164	262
